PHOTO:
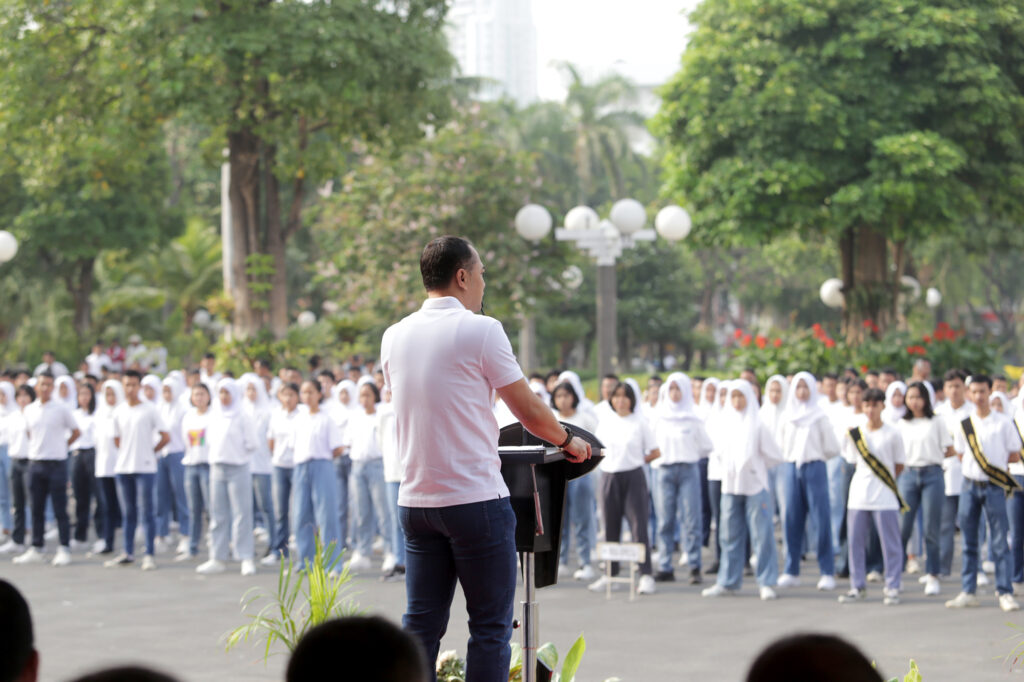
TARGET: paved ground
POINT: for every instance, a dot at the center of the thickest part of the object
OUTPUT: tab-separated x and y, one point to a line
87	617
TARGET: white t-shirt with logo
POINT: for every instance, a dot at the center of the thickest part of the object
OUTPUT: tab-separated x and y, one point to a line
138	428
49	425
867	491
195	437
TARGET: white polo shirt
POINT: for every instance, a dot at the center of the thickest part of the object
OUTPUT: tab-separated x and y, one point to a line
49	425
997	438
443	364
138	427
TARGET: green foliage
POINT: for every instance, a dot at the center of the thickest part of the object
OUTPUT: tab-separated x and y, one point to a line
913	675
451	668
305	597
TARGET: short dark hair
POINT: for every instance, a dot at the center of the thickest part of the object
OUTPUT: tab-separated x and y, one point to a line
861	384
15	632
45	374
873	395
629	394
373	649
871	373
614	377
809	658
442	258
830	375
132	374
289	386
923	391
999	377
890	370
953	375
553	373
27	390
572	391
326	373
126	673
209	356
373	387
203	387
981	379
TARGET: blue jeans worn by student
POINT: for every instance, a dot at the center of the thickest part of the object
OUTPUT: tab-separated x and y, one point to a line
474	545
740	513
197	490
924	488
136	487
315	505
6	522
680	489
947	533
974	498
230	511
371	502
808	494
263	505
397	534
282	487
342	469
1015	512
579	516
108	509
170	494
48	480
19	497
705	503
838	488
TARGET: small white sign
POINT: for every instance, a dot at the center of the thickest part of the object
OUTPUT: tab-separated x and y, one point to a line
622	551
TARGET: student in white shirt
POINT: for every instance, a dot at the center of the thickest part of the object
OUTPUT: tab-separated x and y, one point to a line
953	411
999	446
387	433
258	408
48	423
843	420
194	430
151	388
748	451
171	499
367	479
808	441
317	442
339	408
926	442
628	445
1015	507
771	416
871	500
108	507
66	391
83	465
232	444
706	403
895	402
579	499
98	361
17	435
137	425
682	441
713	473
281	439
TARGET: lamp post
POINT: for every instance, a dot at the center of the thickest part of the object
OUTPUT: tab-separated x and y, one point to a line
605	240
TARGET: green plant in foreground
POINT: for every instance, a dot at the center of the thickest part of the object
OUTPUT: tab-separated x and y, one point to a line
305	597
913	675
548	655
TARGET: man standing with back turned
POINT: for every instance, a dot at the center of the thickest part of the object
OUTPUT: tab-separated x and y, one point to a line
443	364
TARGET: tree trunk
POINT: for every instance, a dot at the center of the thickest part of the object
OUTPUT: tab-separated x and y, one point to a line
243	155
866	283
80	284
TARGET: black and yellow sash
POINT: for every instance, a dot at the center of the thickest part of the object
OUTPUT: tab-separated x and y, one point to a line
995	475
877	467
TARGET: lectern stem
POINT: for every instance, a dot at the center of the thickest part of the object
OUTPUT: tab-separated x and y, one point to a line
531	620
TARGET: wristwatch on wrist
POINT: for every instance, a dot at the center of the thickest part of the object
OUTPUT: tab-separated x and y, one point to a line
568	438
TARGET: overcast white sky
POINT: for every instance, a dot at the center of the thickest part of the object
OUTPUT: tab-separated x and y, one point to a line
642	39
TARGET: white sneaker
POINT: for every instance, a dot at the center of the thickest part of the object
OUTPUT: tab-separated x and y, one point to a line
924	579
148	563
390	560
248	567
717	590
683	560
962	601
874	577
211	567
564	571
988	566
183	556
1008	603
358	562
63	557
827	583
51	533
912	566
768	593
788	580
30	556
98	547
161	546
601	584
646	585
931	585
585	574
11	547
121	559
891	597
260	534
271	559
378	545
77	545
183	545
853	596
982	579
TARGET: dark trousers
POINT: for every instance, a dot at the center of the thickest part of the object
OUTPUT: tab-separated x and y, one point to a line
108	510
473	545
83	486
49	478
19	497
715	501
624	495
705	503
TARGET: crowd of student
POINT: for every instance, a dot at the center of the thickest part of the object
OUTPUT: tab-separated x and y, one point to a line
872	474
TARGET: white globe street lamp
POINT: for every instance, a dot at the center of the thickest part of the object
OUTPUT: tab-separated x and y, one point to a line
8	246
306	319
582	218
533	222
933	297
673	223
628	216
201	318
831	293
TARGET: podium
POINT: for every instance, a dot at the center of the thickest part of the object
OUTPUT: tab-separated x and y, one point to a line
537	475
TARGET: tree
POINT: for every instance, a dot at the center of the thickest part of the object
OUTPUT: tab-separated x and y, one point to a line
877	122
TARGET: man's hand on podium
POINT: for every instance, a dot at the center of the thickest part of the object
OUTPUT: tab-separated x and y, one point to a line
578	450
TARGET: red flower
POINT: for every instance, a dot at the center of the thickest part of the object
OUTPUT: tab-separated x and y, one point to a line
737	334
927	339
869	324
745	341
760	341
863	369
911	350
829	343
777	343
816	327
944	326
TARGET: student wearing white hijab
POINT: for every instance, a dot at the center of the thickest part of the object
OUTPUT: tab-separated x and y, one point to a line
281	439
7	406
772	416
585	404
708	399
66	392
682	441
387	434
367	481
151	388
232	444
108	507
16	428
170	471
714	472
258	408
342	402
195	434
1001	403
748	452
895	402
808	441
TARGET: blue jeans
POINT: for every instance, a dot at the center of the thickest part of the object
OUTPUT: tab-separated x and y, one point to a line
170	494
197	490
947	533
397	534
680	489
133	488
263	504
974	498
808	495
1015	510
838	491
715	501
705	503
282	486
230	511
579	514
315	506
368	491
924	488
740	513
48	480
6	523
474	545
342	469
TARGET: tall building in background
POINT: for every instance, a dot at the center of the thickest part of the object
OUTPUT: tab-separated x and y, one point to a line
496	39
